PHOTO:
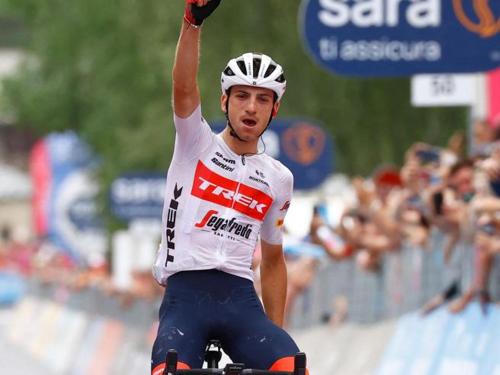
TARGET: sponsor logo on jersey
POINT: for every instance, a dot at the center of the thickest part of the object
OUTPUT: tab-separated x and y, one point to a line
259	179
218	223
212	187
171	218
222	165
286	206
226	164
227	160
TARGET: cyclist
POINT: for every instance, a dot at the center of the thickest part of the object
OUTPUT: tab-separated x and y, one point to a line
222	195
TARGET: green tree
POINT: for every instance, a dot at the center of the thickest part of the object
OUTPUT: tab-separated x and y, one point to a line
103	68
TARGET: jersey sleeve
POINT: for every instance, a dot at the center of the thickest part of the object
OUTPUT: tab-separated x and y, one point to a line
193	136
272	228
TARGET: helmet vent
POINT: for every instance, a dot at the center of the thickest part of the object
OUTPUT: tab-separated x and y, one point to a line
270	70
229	71
281	78
256	66
242	66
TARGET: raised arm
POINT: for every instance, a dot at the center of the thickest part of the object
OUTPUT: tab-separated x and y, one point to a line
185	92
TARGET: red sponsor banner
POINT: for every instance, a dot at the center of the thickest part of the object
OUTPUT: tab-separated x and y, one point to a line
494	97
41	179
212	187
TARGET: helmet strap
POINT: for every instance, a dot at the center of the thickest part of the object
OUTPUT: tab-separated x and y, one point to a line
268	123
232	132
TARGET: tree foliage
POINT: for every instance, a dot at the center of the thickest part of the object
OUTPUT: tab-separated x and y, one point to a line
103	68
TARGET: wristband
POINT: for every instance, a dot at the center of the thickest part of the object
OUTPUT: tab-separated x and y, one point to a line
191	24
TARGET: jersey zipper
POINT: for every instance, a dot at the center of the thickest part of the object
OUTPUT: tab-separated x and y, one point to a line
241	175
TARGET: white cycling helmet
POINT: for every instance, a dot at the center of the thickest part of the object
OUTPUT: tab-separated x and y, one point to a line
254	69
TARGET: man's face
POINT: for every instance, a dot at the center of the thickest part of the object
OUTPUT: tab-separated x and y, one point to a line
462	182
250	109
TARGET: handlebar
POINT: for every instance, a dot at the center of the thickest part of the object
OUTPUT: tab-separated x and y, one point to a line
233	368
214	371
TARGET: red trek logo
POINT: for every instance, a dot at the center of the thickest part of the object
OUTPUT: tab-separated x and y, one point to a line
218	189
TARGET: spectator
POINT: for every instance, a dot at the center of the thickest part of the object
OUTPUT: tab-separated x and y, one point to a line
322	234
485	209
485	136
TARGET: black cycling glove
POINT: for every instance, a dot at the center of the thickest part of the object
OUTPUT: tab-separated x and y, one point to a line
196	15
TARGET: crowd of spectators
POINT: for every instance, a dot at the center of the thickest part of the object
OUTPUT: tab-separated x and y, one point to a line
46	264
454	190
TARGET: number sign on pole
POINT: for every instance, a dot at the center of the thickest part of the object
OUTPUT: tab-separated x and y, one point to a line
443	90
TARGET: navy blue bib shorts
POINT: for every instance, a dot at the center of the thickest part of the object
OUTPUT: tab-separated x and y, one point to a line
202	305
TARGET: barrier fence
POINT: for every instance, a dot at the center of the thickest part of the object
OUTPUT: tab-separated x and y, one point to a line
406	279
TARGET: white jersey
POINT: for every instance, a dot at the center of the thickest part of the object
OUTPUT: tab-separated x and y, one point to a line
218	203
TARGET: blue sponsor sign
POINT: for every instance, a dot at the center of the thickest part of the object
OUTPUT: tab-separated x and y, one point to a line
402	37
83	213
429	339
73	223
303	146
138	196
461	351
444	343
400	349
489	344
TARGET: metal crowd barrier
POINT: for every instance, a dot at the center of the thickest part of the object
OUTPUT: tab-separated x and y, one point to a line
406	280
